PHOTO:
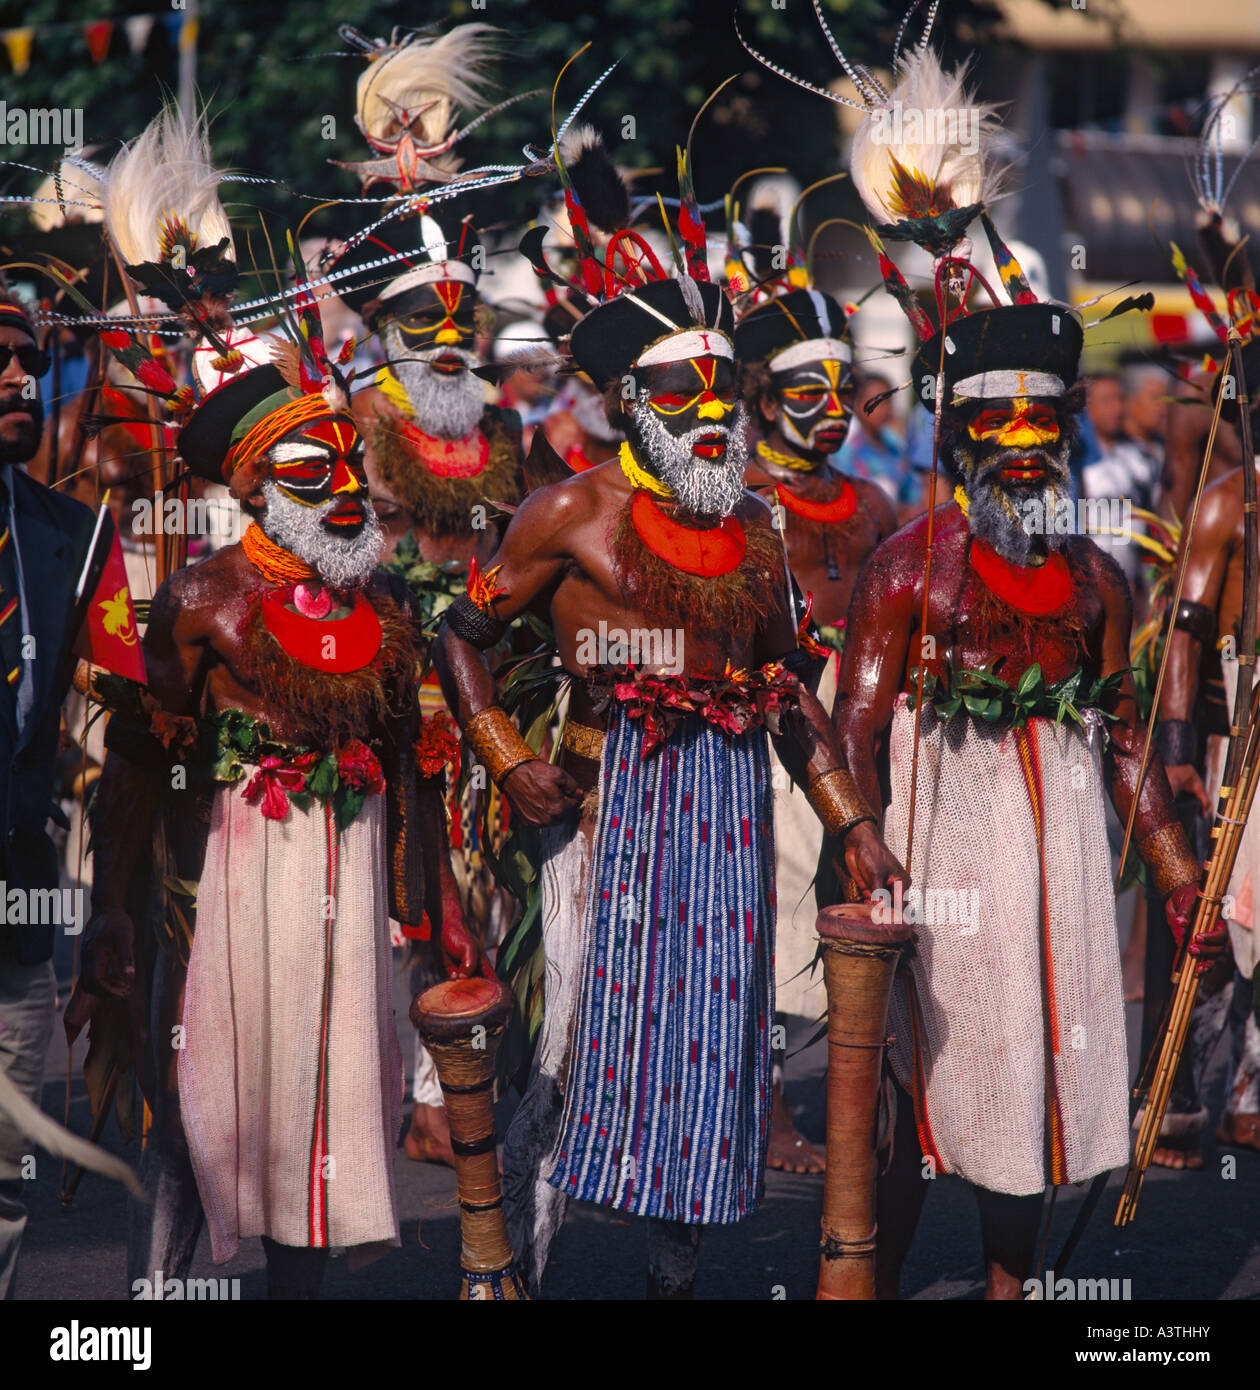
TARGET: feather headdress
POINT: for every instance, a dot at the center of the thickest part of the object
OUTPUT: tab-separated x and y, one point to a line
163	214
922	155
410	96
1222	240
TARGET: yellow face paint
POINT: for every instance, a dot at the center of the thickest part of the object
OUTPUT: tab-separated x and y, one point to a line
1023	424
710	402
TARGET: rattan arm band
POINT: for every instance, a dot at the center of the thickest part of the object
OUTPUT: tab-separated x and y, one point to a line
497	743
1167	855
840	805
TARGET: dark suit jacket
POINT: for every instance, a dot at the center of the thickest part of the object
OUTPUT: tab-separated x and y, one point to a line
54	533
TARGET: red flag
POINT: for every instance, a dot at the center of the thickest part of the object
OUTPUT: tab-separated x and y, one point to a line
113	641
98	35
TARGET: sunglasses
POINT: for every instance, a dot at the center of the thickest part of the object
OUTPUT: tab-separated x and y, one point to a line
33	360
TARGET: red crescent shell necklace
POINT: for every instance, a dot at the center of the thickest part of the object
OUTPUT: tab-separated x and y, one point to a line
709	553
1034	590
340	644
840	508
449	458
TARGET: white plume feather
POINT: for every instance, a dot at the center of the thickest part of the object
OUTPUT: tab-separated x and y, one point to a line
933	127
163	179
442	74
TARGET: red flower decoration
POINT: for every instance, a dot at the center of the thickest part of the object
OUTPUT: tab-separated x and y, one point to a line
358	768
273	781
437	747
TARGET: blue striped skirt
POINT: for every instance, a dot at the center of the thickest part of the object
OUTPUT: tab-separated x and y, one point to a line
667	1099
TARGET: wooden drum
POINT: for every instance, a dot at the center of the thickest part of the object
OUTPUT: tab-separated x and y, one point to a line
461	1023
859	959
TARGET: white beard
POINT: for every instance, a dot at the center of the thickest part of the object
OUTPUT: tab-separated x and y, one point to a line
448	407
703	488
341	564
1004	519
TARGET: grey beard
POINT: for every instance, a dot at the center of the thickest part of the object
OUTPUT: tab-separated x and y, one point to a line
703	488
341	564
1003	518
448	407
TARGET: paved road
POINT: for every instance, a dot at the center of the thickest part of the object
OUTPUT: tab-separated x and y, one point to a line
1195	1236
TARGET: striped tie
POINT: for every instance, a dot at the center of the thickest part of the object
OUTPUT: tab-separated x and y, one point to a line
10	607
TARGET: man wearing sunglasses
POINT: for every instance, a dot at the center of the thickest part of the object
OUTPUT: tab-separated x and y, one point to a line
44	538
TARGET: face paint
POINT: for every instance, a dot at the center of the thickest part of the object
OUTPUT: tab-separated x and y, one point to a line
694	398
343	558
440	315
323	462
1015	424
1013	464
689	432
815	405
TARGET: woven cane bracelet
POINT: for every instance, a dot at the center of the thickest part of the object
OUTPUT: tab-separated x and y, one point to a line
1178	742
1167	854
835	797
477	627
494	739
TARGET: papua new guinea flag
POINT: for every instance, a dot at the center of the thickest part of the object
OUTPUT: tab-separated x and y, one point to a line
112	638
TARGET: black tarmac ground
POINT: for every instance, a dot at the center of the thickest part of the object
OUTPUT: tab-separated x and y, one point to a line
1195	1236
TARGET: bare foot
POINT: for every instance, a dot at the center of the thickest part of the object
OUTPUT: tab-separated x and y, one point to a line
429	1138
1178	1153
1239	1131
789	1151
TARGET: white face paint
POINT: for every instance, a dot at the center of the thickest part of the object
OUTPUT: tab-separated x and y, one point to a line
706	487
447	405
815	404
341	562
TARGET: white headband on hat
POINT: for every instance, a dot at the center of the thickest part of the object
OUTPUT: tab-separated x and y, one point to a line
1006	385
426	275
813	350
691	342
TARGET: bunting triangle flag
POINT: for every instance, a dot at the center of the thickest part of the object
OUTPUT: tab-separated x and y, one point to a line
138	28
112	638
98	35
17	43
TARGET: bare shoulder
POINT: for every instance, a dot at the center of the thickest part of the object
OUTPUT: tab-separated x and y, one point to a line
1100	569
551	517
875	503
194	598
1220	518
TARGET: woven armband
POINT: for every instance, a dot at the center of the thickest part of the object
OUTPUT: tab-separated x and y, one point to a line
495	740
836	799
474	625
1198	620
1167	854
1178	742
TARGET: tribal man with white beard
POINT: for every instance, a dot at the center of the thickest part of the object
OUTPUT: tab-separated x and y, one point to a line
652	1089
277	754
446	455
432	439
1009	1043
